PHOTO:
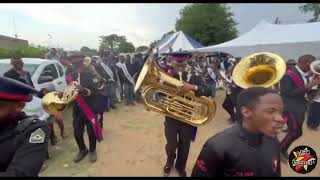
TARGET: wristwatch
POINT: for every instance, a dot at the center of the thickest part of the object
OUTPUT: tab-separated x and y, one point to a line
196	87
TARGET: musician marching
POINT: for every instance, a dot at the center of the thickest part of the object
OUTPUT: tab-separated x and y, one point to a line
86	108
179	134
294	86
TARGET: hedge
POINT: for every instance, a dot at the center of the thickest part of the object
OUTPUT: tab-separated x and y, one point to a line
23	52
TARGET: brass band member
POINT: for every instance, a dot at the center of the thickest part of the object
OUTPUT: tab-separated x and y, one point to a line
211	78
230	101
23	139
313	120
293	88
85	109
179	134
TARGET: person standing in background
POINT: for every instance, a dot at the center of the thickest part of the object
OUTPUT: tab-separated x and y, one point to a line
18	73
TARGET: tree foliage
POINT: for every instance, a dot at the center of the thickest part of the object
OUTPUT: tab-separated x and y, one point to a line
313	8
170	32
87	51
141	48
207	23
126	47
152	44
115	43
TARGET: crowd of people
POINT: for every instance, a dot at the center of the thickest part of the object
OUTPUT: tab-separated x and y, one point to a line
258	113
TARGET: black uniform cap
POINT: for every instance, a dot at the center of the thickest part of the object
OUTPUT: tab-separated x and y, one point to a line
180	58
12	90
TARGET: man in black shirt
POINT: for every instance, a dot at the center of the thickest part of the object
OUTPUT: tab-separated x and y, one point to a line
251	147
18	73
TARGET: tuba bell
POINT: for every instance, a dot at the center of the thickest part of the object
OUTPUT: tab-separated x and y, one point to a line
159	93
263	69
52	103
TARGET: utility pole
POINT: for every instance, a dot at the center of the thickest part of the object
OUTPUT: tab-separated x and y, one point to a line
14	28
277	21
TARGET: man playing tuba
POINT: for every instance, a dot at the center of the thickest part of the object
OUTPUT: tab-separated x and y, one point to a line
179	134
86	108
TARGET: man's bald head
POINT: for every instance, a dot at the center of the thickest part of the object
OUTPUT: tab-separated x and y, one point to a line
304	62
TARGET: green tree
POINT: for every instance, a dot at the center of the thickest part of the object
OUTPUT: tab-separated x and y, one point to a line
126	47
153	43
141	48
111	42
85	49
313	8
170	32
208	23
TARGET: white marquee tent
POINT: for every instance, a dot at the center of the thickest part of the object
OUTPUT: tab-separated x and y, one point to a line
289	41
177	41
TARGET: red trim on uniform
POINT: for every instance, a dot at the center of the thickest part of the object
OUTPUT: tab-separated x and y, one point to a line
14	96
180	58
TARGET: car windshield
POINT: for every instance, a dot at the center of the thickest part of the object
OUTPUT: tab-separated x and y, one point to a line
31	68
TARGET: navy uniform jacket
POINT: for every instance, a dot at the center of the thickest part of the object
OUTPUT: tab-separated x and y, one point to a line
20	154
93	99
237	152
293	96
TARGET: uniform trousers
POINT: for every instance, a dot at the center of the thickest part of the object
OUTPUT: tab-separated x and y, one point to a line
294	122
80	120
178	136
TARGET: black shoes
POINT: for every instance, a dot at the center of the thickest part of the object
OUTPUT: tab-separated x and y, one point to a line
82	154
182	173
166	170
93	156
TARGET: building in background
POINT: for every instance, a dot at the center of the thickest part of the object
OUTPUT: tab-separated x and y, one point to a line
7	42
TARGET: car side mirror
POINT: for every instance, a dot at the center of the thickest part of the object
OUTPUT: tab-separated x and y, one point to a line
44	79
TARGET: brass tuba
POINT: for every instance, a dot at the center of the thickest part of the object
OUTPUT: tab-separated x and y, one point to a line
159	93
263	69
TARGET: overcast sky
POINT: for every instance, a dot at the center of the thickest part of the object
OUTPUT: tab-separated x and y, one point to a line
75	25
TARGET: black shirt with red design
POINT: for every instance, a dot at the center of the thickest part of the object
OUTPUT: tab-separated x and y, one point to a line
237	152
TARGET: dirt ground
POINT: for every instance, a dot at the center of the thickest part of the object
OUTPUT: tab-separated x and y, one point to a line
134	144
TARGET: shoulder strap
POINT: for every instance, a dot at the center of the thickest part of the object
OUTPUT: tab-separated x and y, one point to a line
295	77
25	123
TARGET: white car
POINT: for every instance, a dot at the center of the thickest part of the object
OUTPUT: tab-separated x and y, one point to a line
42	72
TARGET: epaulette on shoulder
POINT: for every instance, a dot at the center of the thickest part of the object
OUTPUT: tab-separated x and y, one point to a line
25	123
